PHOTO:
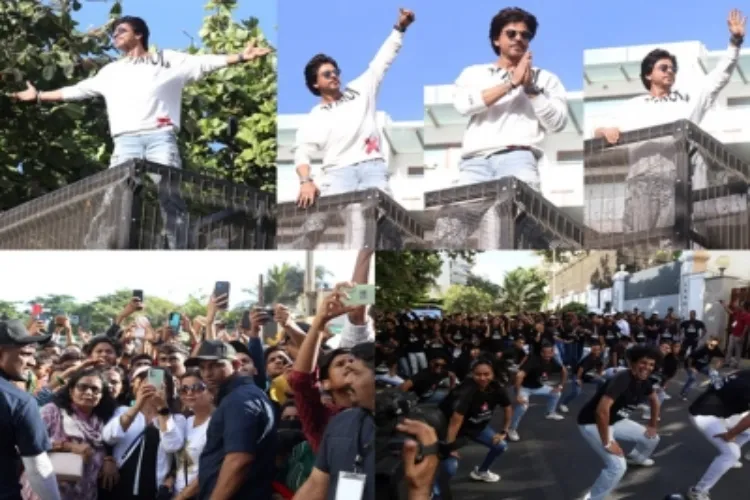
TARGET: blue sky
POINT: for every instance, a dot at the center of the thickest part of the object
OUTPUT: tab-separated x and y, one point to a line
642	22
446	37
167	19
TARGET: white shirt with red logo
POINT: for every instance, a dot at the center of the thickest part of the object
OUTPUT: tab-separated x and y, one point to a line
346	131
144	94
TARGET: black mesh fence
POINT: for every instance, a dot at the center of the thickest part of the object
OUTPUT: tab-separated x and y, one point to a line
142	205
503	214
670	187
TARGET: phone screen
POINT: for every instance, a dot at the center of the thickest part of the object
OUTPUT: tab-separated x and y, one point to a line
138	294
174	321
156	378
222	288
361	295
74	320
245	324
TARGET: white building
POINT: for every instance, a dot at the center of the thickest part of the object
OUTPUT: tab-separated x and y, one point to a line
612	76
424	156
454	272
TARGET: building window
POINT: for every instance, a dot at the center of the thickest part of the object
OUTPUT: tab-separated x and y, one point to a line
415	171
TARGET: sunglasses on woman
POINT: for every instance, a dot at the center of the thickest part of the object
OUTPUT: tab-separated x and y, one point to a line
196	388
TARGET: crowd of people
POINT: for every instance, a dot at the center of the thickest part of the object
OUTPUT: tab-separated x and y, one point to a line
194	412
468	365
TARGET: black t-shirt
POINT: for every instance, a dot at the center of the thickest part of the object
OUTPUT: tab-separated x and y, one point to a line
618	355
638	333
653	328
475	405
669	332
538	371
516	354
426	381
692	329
669	365
702	357
611	334
495	342
21	431
413	340
627	393
591	365
725	398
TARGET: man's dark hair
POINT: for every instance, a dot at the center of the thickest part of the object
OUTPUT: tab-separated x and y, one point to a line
311	70
138	25
640	352
507	16
102	339
648	63
366	353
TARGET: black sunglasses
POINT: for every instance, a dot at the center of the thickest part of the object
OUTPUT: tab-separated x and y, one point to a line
526	35
666	67
330	73
196	387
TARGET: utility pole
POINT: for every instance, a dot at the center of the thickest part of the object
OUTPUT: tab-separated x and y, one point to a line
310	293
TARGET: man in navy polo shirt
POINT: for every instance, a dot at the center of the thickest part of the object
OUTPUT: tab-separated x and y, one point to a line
238	461
345	464
23	435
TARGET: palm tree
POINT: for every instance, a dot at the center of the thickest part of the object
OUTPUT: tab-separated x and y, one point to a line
522	290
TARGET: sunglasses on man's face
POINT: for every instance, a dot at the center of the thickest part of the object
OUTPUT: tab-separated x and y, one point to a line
198	387
512	34
666	68
330	73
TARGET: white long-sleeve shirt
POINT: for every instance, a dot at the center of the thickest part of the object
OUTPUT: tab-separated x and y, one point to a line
171	441
145	93
514	120
646	111
346	130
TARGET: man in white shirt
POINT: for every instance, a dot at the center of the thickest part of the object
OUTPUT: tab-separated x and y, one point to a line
344	125
650	184
143	92
510	104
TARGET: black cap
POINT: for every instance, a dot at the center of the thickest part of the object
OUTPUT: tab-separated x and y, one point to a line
365	352
240	347
13	332
212	350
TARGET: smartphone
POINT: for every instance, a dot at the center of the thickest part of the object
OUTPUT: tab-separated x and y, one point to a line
155	378
138	294
222	288
60	318
36	310
360	295
245	323
74	320
174	321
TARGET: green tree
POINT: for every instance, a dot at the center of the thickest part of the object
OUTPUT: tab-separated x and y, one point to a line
523	289
246	92
493	289
55	303
574	307
467	299
403	279
284	284
43	148
9	310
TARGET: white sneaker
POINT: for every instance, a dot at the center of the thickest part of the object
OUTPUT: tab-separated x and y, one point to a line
737	465
513	435
667	396
641	463
554	416
486	476
647	416
564	408
587	497
694	494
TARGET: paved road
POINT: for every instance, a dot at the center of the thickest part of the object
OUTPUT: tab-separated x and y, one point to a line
551	462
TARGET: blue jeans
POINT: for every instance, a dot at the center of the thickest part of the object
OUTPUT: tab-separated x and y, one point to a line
450	464
159	147
614	466
519	410
575	390
691	379
519	164
372	174
436	397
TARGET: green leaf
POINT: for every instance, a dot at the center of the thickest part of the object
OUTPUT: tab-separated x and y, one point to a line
73	110
116	10
48	73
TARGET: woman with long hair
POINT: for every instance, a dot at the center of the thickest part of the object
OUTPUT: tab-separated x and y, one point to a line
196	398
145	435
75	419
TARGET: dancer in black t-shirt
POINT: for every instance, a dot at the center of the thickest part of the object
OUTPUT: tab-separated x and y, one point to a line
605	419
665	370
431	384
722	414
469	408
702	361
692	331
533	379
590	370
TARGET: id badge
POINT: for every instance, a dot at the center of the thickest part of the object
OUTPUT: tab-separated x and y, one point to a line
351	486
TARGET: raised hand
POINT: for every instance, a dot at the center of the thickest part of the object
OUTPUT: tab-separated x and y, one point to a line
736	22
30	94
252	52
405	18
